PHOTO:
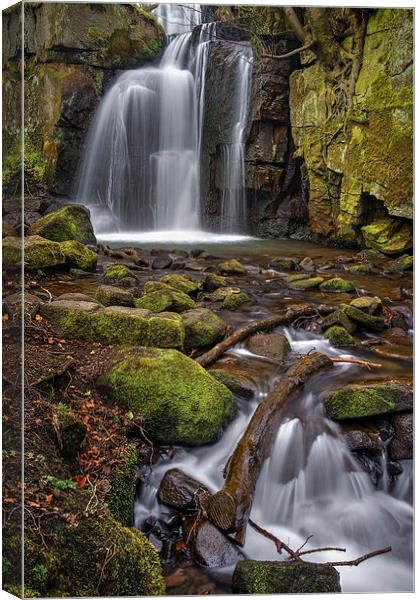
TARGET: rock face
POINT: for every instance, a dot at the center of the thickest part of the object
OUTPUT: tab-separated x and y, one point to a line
266	577
360	184
180	402
72	52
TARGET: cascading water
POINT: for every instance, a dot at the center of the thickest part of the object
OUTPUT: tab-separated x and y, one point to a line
311	485
141	168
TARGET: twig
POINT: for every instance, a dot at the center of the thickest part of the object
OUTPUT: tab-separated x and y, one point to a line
289	54
360	559
280	545
356	361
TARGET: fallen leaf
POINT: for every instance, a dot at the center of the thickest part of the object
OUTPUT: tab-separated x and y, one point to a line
38	318
80	480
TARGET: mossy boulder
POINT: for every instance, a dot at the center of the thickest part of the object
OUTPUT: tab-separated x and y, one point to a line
115	324
338	317
79	256
202	328
230	297
361	269
182	283
70	431
361	318
213	282
165	298
180	402
282	577
39	253
368	304
389	236
72	222
111	295
286	264
120	498
118	272
358	401
337	284
338	336
310	283
403	263
231	267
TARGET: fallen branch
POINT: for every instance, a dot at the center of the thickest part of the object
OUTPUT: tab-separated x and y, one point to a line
360	559
291	53
356	361
240	335
229	508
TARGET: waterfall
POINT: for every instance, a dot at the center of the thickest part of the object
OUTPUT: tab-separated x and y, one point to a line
141	167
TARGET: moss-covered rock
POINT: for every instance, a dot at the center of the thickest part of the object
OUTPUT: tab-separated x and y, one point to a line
120	498
79	256
360	269
70	431
111	295
118	272
337	284
72	222
390	236
165	299
368	304
277	577
213	282
182	283
338	317
361	318
359	401
306	283
115	324
180	402
403	263
231	267
202	328
234	299
338	336
39	253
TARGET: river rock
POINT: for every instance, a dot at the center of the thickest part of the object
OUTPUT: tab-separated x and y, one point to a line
358	440
177	489
40	253
399	352
368	304
115	324
277	577
231	267
337	284
213	282
110	295
202	328
179	401
165	299
12	304
76	296
401	446
338	318
310	283
361	318
118	272
72	222
357	401
403	263
182	283
237	379
338	336
286	264
79	256
161	262
230	297
212	548
274	346
307	264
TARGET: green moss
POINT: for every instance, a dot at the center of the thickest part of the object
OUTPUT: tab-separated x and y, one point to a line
202	328
116	272
182	283
306	284
180	402
234	299
39	253
367	304
110	295
390	236
403	263
336	285
121	496
338	336
70	430
165	299
79	256
363	401
360	269
232	266
60	485
72	222
369	321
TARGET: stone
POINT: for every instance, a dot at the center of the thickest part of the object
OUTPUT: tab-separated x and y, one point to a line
283	577
368	304
274	346
337	285
179	401
115	324
12	304
202	328
361	269
72	222
110	295
358	401
358	440
177	489
361	318
118	272
403	263
338	336
307	264
236	379
182	283
70	431
212	549
231	267
39	253
79	256
165	299
401	445
306	284
161	262
338	317
213	282
234	299
389	236
74	296
79	273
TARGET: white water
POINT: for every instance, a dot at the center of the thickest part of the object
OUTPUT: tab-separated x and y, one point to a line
141	167
310	485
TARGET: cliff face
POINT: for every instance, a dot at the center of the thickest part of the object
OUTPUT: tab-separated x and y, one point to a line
360	168
71	53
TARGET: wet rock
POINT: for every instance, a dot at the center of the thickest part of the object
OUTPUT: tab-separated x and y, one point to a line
195	266
338	336
13	305
165	299
79	273
361	318
179	401
368	304
276	577
182	283
357	401
72	222
110	295
177	489
213	549
40	253
404	353
361	269
196	252
70	431
213	282
307	264
401	446
337	284
403	263
236	379
231	267
274	346
118	273
402	317
202	328
79	256
161	262
115	324
361	441
287	264
230	297
76	296
306	284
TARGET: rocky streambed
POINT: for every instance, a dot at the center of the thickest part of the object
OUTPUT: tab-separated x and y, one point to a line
119	407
